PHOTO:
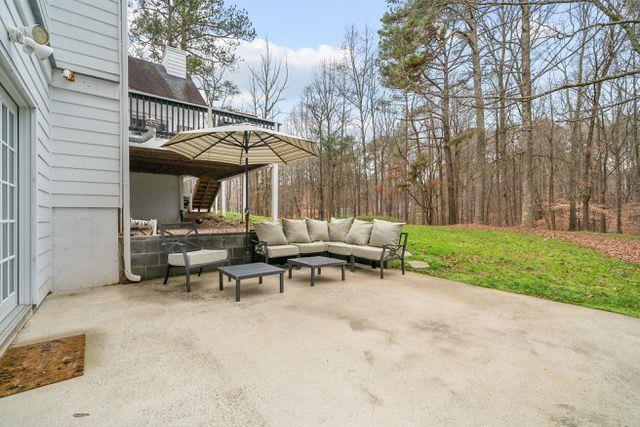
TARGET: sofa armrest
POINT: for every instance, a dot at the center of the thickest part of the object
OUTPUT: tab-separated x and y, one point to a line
396	251
260	247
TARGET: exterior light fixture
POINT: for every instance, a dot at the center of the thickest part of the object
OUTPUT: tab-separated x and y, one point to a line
33	38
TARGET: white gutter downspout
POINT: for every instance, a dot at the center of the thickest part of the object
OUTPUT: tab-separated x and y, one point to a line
124	147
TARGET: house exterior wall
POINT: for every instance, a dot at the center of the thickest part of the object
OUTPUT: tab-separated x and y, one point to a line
70	142
86	137
87	261
155	196
27	80
86	35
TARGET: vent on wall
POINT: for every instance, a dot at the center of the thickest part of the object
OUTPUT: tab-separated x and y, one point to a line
175	62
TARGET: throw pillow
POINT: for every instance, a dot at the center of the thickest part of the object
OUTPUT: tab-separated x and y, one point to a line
385	233
359	233
338	229
318	230
295	230
270	232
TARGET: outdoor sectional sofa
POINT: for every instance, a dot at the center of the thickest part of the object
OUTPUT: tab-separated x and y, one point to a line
377	242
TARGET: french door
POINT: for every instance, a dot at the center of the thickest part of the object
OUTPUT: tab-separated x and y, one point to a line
8	204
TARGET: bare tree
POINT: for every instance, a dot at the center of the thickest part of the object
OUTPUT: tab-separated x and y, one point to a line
268	83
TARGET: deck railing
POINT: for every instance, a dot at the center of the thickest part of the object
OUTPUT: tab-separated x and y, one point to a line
174	117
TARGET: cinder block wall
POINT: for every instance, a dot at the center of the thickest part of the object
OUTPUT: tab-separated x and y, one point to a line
149	259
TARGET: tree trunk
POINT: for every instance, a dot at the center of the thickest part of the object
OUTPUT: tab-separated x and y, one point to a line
528	215
480	152
448	158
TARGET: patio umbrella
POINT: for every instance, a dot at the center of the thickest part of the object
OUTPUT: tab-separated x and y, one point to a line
242	144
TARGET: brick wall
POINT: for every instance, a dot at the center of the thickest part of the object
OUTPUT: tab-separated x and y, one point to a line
149	260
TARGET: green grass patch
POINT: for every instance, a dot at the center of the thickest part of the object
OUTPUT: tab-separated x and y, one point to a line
236	218
528	264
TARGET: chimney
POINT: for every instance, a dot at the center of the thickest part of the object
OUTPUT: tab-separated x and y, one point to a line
175	62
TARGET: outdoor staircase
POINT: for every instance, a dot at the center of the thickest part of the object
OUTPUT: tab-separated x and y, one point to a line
204	194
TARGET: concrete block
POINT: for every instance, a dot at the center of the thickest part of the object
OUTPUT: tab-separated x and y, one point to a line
137	246
152	244
145	259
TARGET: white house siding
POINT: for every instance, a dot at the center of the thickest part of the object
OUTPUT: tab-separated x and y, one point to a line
86	34
28	81
86	138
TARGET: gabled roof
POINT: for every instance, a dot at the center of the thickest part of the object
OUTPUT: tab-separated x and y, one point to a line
153	79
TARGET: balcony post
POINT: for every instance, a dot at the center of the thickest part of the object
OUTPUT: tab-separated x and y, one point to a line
223	197
274	191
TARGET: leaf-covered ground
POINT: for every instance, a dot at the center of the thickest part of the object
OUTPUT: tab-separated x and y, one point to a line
530	264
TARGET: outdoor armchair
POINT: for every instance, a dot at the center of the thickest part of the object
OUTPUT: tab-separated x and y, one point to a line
385	253
184	250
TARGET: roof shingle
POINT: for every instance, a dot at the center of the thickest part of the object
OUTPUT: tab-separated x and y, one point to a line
151	78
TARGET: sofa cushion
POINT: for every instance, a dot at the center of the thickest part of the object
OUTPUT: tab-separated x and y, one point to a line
270	232
385	233
311	248
203	256
278	251
359	233
339	248
338	229
318	230
295	230
367	252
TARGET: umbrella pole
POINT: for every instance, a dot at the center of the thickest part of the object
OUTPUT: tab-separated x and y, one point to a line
247	253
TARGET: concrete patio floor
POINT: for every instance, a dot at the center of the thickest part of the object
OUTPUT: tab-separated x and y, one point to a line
404	350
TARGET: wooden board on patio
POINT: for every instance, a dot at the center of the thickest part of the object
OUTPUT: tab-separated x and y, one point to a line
31	366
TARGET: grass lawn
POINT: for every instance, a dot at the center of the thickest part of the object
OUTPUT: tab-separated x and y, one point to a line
528	264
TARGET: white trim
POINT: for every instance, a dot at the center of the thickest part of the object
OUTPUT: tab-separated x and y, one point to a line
27	190
27	123
11	325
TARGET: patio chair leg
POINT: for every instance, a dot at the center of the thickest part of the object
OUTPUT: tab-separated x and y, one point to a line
220	281
382	270
281	283
166	275
200	272
352	261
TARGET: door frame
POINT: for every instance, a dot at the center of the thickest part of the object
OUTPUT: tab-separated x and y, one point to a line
26	187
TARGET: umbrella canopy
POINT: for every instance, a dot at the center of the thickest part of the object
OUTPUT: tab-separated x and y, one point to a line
241	144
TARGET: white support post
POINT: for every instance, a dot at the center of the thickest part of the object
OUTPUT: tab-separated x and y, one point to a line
223	197
274	191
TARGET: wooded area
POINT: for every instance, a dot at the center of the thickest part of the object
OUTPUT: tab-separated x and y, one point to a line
501	113
491	112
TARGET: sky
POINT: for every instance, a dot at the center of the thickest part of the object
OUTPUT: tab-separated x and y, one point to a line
305	32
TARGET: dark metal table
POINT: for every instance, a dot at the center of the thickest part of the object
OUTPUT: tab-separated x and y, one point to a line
250	271
315	262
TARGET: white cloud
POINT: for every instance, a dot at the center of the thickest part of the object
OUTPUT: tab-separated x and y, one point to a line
302	63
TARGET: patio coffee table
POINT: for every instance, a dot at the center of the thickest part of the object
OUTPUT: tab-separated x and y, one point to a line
315	262
249	271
